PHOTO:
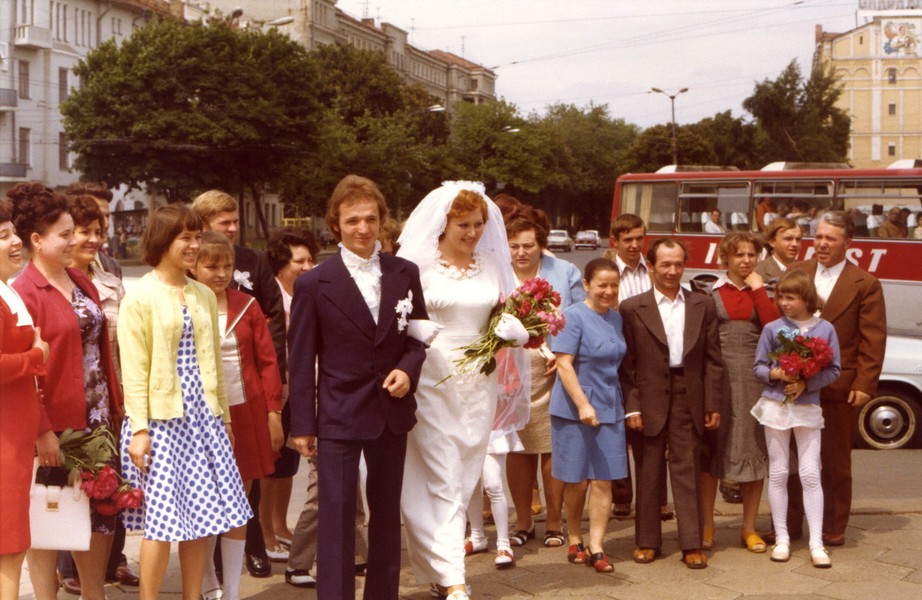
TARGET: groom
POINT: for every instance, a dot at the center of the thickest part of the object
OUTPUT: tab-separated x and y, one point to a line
353	372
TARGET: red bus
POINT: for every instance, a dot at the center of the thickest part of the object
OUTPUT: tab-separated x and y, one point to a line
698	206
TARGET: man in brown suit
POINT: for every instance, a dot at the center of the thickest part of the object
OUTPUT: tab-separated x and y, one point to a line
854	304
671	377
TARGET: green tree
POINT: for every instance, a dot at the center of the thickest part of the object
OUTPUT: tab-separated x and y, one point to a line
799	118
181	107
652	149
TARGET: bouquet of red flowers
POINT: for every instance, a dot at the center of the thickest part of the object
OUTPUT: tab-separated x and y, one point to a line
799	356
525	318
87	457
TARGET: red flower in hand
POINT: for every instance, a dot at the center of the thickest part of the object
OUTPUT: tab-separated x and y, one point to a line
107	482
129	498
106	507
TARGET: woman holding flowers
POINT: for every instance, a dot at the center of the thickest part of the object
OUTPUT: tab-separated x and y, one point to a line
80	389
797	356
587	413
527	232
22	356
177	438
456	237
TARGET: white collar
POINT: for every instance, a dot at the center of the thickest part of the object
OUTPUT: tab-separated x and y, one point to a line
723	279
641	266
660	296
17	306
781	266
833	271
354	262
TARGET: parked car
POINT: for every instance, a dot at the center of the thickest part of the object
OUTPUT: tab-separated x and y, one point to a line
588	238
559	239
893	418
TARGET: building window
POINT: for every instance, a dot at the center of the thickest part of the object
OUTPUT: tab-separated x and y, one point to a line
891	108
62	85
24	79
891	149
63	158
25	146
891	75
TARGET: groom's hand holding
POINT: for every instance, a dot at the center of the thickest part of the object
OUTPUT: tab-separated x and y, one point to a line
306	445
397	383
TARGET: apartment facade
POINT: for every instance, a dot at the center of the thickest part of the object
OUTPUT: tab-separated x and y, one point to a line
448	77
37	55
879	66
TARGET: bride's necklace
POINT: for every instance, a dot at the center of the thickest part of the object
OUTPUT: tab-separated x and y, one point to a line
453	272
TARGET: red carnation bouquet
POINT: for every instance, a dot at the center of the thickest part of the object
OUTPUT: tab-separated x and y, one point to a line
86	456
800	356
525	318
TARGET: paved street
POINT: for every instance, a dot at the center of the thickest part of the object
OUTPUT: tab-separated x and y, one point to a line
881	559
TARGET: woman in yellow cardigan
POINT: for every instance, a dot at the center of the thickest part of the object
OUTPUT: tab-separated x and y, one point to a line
176	439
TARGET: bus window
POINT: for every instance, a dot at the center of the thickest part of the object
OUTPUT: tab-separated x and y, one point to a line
869	202
652	202
711	207
800	201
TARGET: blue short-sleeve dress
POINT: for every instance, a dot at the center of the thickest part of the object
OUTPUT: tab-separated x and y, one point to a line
581	451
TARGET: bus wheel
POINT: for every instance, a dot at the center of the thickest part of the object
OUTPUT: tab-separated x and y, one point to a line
890	420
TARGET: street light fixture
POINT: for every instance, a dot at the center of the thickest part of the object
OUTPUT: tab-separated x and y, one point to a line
435	108
510	129
675	144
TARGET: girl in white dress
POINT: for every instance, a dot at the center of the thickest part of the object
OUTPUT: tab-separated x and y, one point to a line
456	236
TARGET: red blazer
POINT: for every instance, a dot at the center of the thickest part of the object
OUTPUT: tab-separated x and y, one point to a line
63	389
258	361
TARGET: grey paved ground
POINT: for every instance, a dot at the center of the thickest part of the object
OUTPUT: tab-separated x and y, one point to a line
881	559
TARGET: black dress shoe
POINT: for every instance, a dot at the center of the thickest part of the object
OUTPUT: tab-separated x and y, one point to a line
731	495
258	566
123	575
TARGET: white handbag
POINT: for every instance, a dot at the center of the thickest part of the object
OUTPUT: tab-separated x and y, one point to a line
59	517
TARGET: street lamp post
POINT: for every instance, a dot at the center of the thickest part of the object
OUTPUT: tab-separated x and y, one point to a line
675	141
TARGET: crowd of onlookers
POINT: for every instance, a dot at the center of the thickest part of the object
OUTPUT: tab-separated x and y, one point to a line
223	366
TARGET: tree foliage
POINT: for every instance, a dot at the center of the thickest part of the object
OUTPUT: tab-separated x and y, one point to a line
182	107
799	118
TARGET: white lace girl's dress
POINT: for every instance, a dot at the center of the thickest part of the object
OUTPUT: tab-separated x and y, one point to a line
447	447
192	488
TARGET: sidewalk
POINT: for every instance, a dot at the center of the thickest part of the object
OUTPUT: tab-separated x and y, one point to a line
881	559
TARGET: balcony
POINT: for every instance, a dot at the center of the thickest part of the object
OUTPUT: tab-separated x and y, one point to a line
31	36
12	172
9	99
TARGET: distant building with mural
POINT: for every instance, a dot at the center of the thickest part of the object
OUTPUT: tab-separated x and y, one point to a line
879	66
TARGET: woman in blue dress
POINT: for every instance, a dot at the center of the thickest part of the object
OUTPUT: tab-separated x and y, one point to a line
587	414
176	438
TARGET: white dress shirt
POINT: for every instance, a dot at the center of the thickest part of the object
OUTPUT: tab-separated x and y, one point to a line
633	281
673	314
825	279
366	272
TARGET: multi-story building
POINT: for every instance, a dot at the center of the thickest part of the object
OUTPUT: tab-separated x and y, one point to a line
38	50
313	23
879	66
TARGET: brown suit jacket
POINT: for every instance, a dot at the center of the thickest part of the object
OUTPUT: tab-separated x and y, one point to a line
856	309
645	368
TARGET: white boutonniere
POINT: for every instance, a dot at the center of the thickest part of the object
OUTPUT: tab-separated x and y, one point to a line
243	279
404	307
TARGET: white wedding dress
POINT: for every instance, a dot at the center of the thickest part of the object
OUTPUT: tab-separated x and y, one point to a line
447	447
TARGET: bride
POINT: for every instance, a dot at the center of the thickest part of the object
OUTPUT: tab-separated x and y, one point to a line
456	237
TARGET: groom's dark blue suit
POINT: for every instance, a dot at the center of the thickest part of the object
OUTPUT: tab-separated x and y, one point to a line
338	361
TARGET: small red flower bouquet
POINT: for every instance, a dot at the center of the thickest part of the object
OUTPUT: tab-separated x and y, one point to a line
87	457
800	356
525	318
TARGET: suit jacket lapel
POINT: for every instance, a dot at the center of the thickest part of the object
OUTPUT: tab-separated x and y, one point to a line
394	284
694	315
649	315
342	292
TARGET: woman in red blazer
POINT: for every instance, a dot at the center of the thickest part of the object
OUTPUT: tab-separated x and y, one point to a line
79	390
22	354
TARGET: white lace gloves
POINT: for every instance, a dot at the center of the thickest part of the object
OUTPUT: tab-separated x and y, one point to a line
511	329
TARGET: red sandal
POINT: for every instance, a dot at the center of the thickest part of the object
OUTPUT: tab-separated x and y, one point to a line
576	554
599	561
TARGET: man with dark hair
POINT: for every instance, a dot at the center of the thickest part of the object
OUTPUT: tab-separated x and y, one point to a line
671	376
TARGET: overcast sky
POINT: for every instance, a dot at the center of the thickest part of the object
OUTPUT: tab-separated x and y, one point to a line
613	51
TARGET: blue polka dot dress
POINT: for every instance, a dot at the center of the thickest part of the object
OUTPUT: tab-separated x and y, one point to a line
192	488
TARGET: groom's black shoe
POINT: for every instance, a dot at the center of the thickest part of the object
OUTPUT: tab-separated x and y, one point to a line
258	566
